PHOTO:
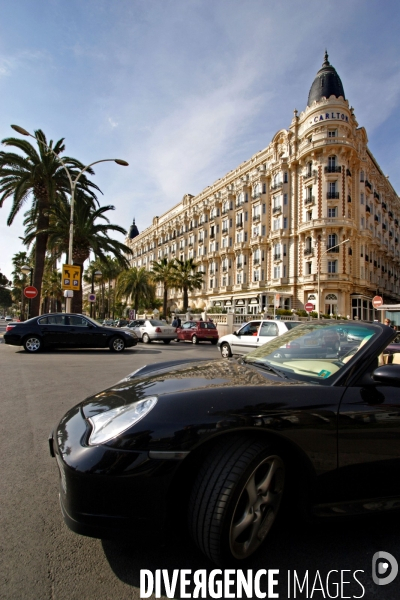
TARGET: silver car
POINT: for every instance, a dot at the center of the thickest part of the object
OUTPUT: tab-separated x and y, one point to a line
252	335
150	330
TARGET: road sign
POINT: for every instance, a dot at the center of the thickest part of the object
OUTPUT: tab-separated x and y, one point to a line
132	314
30	292
309	307
71	277
92	297
377	301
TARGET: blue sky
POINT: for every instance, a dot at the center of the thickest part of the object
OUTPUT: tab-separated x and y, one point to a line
185	90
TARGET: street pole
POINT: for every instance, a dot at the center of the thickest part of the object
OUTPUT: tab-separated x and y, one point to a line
72	183
318	272
25	269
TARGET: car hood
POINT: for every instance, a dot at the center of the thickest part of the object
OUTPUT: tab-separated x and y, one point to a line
191	376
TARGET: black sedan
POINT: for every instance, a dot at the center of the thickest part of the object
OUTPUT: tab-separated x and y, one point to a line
63	330
226	445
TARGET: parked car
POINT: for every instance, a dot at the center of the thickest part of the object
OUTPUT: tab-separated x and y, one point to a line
225	445
63	330
151	330
108	322
197	331
252	335
8	318
121	323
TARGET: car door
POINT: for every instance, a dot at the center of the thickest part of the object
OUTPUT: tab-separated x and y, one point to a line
246	338
85	334
54	330
268	331
185	331
369	440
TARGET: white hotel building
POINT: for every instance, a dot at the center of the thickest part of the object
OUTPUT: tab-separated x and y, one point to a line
268	227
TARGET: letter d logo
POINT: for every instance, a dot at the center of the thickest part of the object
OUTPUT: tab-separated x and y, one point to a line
386	560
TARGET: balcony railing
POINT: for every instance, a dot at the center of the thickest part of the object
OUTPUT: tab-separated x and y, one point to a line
309	200
368	185
384	207
332	195
377	196
277	256
239	224
308	251
256	218
239	265
224	230
333	169
367	209
256	261
276	209
255	196
334	249
310	173
277	185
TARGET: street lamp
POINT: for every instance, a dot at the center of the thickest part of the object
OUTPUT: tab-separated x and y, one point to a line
95	274
319	269
25	269
72	183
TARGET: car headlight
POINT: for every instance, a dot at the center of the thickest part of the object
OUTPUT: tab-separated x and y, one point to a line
111	423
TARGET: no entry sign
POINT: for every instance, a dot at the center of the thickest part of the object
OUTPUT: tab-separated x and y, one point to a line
377	301
309	307
30	292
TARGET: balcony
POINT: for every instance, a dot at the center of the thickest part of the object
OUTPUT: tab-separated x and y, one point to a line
276	186
348	172
256	218
310	173
224	269
310	200
276	210
256	261
239	225
277	256
308	251
376	219
383	227
333	169
396	222
377	197
390	215
255	196
332	195
239	265
368	185
334	249
368	210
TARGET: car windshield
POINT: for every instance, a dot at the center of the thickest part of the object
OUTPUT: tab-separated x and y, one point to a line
315	351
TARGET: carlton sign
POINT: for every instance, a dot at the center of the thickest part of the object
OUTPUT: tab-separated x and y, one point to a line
336	116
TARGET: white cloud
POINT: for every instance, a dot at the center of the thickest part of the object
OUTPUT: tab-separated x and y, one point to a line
112	122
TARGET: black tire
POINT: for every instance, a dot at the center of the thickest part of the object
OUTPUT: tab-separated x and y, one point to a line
146	339
167	341
117	344
195	339
235	499
32	344
225	350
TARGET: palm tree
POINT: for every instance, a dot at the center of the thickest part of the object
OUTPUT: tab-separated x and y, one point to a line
136	284
20	280
39	175
163	272
51	290
186	278
89	235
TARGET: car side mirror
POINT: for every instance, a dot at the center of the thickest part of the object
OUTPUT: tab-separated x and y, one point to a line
389	374
235	333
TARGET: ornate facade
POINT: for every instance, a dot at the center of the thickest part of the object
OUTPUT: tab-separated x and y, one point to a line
268	231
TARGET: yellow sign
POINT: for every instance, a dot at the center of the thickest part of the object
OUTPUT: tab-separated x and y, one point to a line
71	277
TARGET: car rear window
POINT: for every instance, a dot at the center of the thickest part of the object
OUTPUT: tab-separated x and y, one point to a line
207	326
157	323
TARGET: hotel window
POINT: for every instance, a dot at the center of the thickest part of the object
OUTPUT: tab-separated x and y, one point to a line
277	223
238	278
332	240
308	268
362	222
362	176
332	133
332	266
224	242
332	161
264	208
332	212
263	230
284	222
256	231
277	272
285	177
264	188
285	199
309	215
361	198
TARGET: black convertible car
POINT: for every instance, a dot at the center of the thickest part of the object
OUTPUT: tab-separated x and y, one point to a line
64	330
226	444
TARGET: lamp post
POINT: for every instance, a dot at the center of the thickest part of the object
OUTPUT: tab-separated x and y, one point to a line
72	183
25	269
95	274
319	269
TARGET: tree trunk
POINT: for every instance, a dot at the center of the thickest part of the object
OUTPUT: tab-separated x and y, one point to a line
40	254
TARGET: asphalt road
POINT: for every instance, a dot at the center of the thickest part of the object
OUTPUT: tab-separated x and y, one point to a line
41	559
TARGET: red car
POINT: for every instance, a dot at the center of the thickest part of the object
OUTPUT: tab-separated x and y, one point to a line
197	331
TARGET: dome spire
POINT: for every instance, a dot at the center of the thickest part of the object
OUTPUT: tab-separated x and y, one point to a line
327	83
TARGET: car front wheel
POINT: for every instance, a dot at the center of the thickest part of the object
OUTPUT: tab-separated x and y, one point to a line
146	339
117	344
225	350
32	344
235	499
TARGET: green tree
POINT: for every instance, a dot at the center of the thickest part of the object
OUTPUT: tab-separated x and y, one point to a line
186	278
20	280
163	272
51	289
91	229
38	175
137	285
